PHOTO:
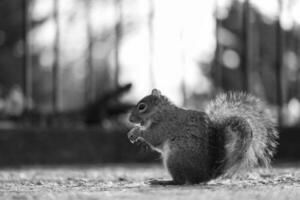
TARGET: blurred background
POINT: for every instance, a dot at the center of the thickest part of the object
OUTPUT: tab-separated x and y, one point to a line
70	70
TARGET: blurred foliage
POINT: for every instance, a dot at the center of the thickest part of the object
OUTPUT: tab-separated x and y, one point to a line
11	43
262	60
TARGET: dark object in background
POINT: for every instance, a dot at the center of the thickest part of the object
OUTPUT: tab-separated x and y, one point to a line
107	106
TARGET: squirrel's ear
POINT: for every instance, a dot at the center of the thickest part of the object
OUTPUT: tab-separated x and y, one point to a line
156	92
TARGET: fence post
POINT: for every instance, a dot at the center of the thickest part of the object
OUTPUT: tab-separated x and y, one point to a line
56	63
297	50
218	66
89	78
27	68
278	67
118	36
245	49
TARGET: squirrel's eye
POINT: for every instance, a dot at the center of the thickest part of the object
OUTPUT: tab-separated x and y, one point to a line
142	107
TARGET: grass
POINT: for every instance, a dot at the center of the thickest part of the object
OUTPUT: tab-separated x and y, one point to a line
131	182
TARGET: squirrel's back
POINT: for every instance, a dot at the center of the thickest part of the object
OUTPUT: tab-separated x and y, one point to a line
247	128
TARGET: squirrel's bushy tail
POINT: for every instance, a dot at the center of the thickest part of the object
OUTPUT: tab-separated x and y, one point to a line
247	128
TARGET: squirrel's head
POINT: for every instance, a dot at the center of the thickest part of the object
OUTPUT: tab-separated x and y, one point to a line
147	107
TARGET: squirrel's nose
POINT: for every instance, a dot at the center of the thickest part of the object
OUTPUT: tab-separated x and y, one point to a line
131	118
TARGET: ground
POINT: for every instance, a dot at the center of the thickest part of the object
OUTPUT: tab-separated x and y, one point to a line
132	181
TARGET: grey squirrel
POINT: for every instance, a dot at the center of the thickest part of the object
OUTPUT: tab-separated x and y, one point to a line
234	133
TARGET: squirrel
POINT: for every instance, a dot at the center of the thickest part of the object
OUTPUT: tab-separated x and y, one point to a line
235	133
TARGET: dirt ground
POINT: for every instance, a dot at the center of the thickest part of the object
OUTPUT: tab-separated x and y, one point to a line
132	182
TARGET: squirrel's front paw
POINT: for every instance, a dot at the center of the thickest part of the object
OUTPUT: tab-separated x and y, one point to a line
133	135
